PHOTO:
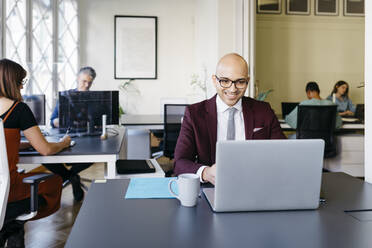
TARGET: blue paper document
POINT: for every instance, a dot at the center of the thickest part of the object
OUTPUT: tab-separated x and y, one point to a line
142	188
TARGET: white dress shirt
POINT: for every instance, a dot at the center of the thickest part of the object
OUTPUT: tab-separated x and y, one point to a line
222	121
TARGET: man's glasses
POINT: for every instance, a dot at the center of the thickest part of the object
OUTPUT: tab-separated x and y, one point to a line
226	83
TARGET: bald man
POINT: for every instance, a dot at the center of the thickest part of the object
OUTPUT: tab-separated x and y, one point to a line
228	115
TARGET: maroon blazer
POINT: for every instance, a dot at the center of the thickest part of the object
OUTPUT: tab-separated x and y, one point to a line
196	144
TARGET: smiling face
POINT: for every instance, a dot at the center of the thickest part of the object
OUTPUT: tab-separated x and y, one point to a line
84	81
231	67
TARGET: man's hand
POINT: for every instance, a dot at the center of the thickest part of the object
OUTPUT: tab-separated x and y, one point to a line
209	174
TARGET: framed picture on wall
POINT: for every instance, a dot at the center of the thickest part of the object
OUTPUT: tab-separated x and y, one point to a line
135	49
269	6
354	7
298	7
326	7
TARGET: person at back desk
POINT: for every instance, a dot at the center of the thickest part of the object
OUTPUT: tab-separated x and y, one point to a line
345	106
226	116
85	80
312	92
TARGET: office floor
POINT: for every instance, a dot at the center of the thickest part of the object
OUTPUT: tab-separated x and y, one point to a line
53	231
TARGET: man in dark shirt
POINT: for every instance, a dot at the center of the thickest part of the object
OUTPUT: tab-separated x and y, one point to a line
85	80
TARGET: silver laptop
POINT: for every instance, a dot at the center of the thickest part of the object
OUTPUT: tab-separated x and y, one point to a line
263	175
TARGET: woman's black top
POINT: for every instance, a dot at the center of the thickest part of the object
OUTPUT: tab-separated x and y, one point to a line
21	117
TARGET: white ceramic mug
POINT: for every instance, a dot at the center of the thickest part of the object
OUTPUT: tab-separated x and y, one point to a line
188	189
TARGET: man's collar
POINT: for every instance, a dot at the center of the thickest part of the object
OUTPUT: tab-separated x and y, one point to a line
222	106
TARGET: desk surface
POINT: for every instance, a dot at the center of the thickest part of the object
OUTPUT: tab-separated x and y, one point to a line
88	145
141	120
86	150
345	127
157	121
106	219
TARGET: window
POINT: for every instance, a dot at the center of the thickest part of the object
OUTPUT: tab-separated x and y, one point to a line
68	53
42	35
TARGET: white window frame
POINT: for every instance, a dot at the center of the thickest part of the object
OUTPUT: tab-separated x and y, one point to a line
29	49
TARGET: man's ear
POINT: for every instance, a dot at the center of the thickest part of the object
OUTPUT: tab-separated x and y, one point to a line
214	79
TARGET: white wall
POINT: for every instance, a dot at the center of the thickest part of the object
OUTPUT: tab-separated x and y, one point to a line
192	36
176	41
292	50
216	33
226	27
206	41
368	92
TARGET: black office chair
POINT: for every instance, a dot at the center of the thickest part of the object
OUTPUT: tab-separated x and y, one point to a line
359	112
318	122
287	108
173	115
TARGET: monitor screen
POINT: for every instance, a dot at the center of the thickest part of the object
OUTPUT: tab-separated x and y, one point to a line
287	108
82	111
37	105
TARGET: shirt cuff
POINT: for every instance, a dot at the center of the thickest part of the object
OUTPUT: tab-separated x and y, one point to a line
200	173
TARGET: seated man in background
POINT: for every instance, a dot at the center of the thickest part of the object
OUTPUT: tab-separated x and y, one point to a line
85	79
229	115
312	92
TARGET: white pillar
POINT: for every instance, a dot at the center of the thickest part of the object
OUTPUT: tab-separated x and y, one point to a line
252	47
368	92
245	36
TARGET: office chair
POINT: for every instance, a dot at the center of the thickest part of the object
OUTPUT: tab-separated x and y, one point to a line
158	151
173	115
287	108
14	211
318	122
359	112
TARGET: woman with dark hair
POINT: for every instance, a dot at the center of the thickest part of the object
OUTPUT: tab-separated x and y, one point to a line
17	117
340	96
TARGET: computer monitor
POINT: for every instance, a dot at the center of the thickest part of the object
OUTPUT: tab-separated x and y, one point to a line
81	111
287	107
37	105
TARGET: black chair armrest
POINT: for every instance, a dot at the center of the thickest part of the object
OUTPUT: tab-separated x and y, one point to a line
34	183
36	178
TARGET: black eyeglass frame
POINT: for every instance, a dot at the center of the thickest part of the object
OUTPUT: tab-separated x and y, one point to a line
231	82
24	81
